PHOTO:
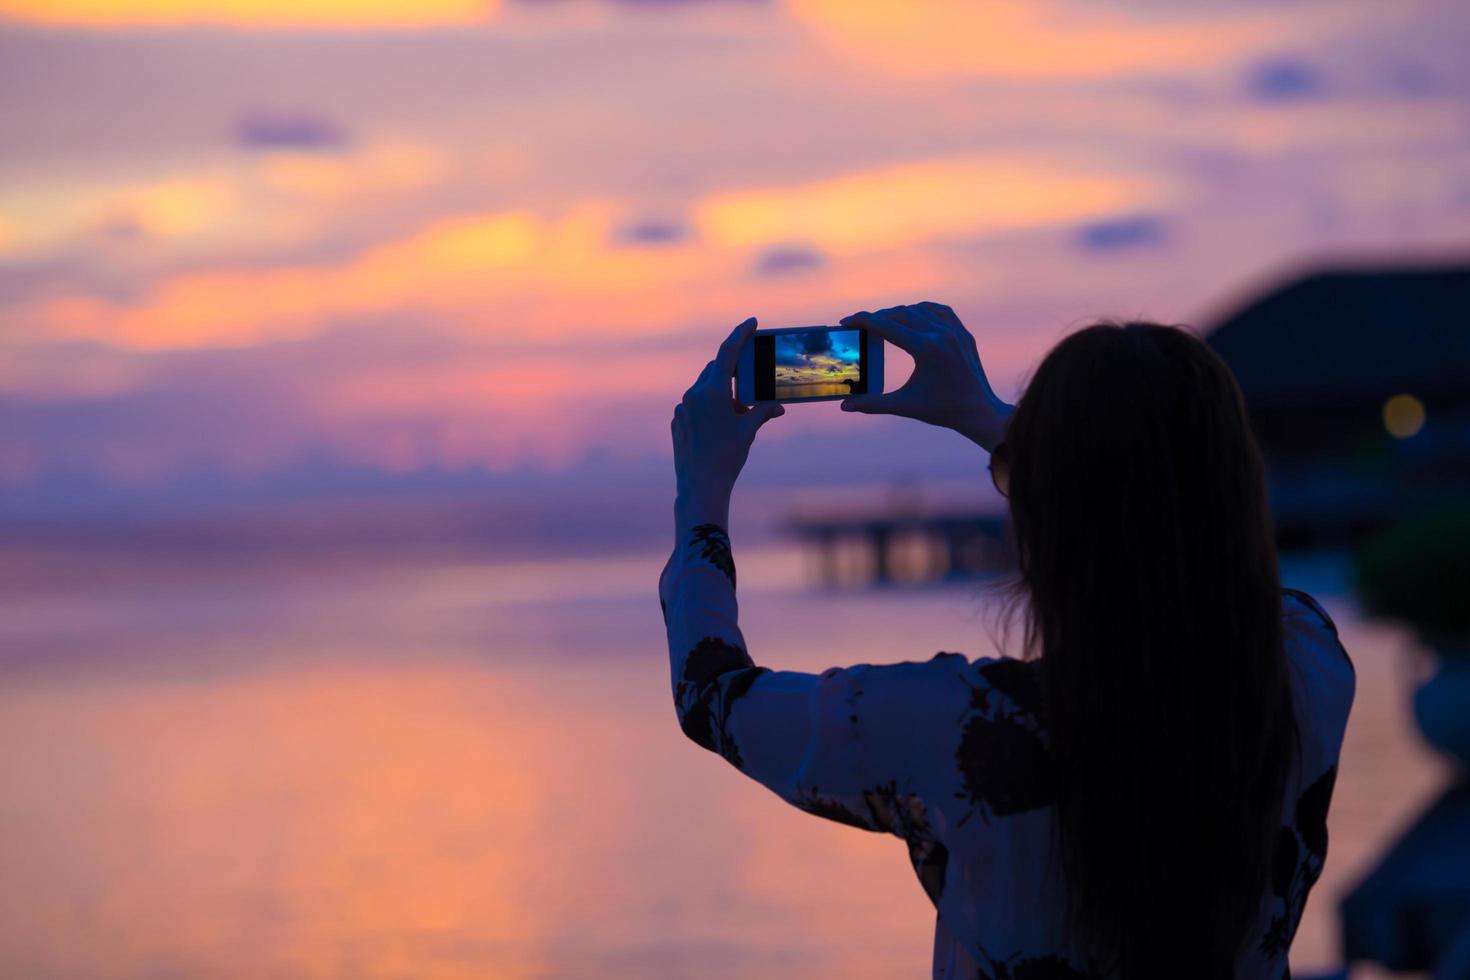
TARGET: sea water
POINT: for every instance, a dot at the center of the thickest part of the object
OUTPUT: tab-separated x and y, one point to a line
435	767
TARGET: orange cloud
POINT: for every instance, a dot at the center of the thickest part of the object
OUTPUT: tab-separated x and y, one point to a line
46	213
896	207
1022	38
532	270
180	206
270	199
357	14
382	166
566	275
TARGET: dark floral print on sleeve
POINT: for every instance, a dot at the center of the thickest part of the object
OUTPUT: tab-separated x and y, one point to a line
1003	759
1300	855
889	812
1019	967
716	674
1019	680
1051	967
714	545
811	800
906	817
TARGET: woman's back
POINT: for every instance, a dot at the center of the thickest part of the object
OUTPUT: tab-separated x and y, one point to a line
1001	832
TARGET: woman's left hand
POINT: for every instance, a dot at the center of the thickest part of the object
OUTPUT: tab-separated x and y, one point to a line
713	433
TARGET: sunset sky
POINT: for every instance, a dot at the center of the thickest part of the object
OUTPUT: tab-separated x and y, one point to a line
819	356
267	249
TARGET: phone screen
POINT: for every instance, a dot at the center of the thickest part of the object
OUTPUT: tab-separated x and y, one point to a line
801	365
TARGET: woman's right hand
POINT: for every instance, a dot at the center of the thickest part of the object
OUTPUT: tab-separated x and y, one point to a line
948	387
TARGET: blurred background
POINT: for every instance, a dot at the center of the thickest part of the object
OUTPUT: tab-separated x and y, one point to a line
338	343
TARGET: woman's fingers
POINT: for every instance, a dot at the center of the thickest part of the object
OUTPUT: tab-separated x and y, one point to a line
701	383
939	325
760	414
939	311
884	326
715	378
914	317
872	404
729	353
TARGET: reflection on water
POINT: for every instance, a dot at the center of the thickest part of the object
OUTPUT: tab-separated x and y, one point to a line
821	390
433	770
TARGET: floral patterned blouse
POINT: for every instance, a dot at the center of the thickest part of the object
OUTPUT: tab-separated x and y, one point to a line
946	755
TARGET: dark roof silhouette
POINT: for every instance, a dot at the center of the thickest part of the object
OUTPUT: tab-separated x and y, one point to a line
1318	357
1342	335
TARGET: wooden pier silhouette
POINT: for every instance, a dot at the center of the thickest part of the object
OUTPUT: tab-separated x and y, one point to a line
903	547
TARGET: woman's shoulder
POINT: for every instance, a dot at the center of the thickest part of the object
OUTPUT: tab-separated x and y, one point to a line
1018	681
1323	676
985	684
1295	602
1309	627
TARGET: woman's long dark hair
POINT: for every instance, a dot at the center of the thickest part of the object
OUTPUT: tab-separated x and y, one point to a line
1154	604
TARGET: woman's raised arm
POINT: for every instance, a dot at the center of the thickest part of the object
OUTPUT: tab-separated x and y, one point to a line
874	747
810	738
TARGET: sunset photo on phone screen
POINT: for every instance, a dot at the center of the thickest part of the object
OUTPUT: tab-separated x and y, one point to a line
817	363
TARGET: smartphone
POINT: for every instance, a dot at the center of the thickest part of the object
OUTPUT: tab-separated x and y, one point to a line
808	364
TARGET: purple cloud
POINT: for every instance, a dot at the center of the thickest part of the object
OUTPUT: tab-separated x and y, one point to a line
1115	234
273	131
652	232
1285	79
787	259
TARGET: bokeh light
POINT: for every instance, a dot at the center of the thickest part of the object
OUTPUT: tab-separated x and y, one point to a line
1403	416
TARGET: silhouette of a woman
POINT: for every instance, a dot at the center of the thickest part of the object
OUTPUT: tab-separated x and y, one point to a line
1144	792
